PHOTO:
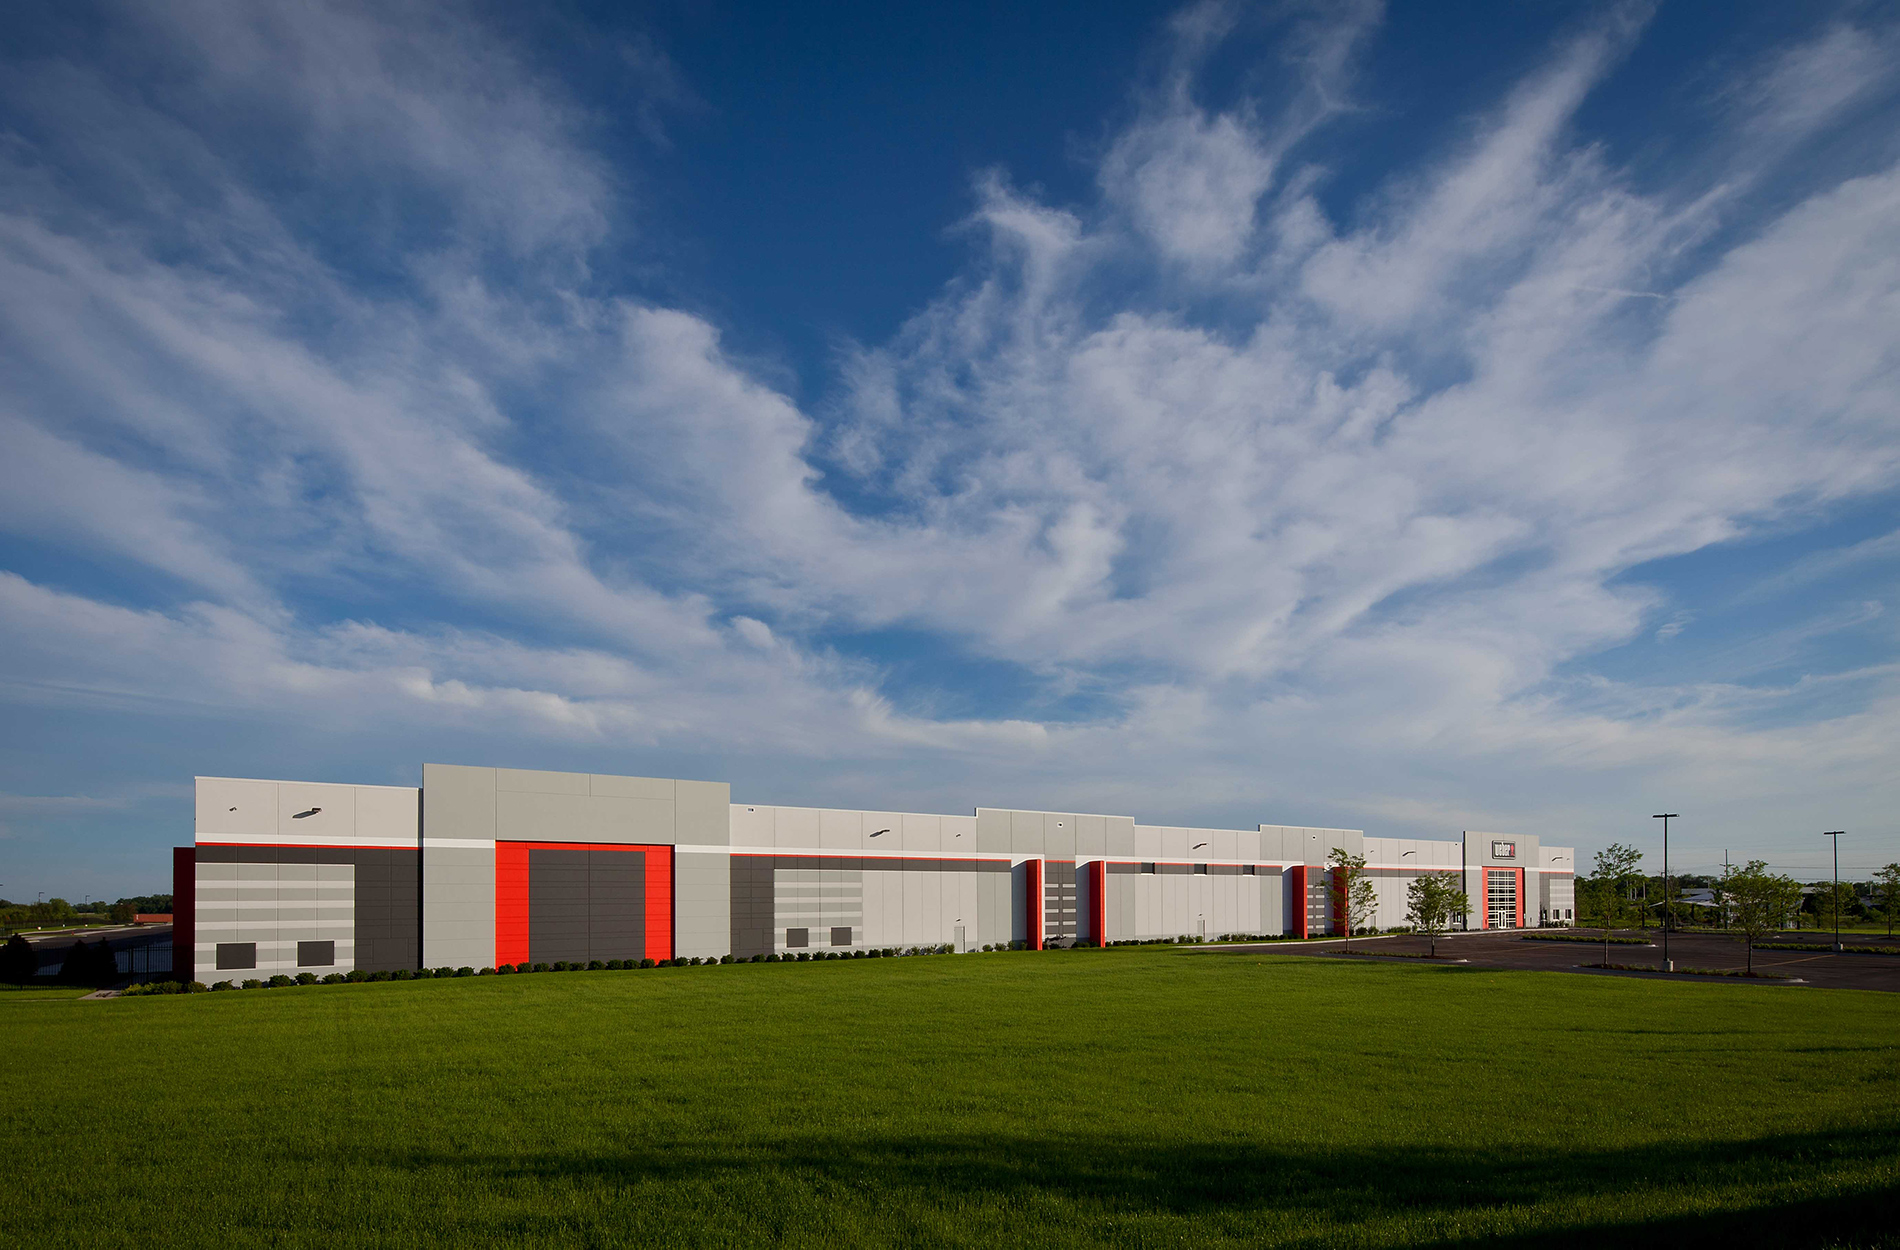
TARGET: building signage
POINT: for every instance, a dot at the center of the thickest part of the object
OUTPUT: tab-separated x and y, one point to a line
1504	850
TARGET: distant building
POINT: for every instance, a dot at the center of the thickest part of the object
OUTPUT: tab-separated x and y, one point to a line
482	867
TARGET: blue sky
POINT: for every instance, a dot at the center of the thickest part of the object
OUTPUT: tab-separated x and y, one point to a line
1413	418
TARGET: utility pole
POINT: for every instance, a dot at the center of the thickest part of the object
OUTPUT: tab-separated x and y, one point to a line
1836	835
1666	817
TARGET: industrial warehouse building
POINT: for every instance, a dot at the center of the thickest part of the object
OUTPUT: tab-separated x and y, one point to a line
482	867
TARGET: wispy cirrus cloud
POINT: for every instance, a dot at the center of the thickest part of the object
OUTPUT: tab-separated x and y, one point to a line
1286	509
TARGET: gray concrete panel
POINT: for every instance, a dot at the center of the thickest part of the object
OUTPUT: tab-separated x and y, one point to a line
458	904
705	928
538	781
1058	834
992	830
458	802
1121	835
608	786
1091	835
1025	833
704	816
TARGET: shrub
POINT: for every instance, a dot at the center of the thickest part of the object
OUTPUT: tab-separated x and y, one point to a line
536	968
306	978
646	963
445	972
152	987
596	965
465	971
196	987
224	985
333	978
356	974
401	974
381	974
484	972
253	984
278	982
19	962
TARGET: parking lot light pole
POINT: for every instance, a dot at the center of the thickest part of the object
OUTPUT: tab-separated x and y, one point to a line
1836	835
1666	817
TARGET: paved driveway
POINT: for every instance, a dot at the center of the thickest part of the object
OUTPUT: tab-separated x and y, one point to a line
1688	950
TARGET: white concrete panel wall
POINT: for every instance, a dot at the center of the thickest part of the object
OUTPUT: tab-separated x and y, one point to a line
842	831
237	809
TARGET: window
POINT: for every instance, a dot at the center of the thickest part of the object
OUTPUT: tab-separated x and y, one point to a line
797	937
841	935
237	955
1246	870
1148	868
1200	870
316	954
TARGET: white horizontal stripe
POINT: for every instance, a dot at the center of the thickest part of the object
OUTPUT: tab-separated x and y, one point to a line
468	844
288	839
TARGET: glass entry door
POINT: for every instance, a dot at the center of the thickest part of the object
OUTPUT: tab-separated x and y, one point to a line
1501	899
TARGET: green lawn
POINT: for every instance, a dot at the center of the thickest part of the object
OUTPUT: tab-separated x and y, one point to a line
1136	1097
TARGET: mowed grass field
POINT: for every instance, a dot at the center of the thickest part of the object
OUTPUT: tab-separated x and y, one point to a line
1144	1097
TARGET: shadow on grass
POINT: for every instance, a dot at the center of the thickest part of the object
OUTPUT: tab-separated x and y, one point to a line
1784	1192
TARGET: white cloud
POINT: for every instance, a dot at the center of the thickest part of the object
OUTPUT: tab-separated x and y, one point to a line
1344	552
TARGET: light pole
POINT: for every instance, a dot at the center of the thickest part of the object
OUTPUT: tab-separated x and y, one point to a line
1836	900
1666	817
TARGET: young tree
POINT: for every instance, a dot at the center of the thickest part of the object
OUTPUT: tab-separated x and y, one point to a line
1760	901
1354	897
1833	903
1887	889
1432	901
1616	869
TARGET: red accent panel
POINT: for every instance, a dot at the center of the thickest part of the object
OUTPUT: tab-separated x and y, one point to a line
1298	873
511	895
1338	889
1098	902
1032	871
511	903
1520	896
659	867
184	911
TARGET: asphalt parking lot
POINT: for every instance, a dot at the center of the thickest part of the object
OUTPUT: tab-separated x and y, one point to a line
1688	950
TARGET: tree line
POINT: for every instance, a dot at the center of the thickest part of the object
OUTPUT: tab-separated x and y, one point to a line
57	911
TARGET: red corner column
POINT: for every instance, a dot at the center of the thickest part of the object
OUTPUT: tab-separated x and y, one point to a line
659	878
1032	876
1339	909
1098	902
184	911
1298	873
1520	896
511	903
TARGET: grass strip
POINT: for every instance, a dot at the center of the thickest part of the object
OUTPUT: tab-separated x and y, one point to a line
1106	1098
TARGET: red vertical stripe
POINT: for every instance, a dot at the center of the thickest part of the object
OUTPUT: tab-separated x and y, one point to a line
1341	906
1032	874
511	903
1098	902
1298	872
659	876
1520	896
184	911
